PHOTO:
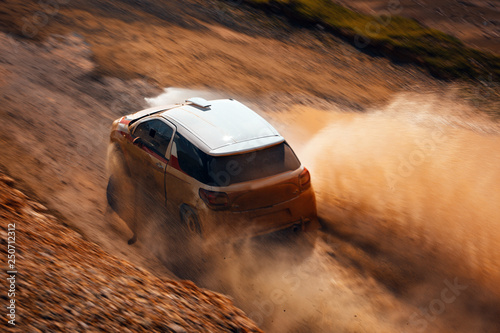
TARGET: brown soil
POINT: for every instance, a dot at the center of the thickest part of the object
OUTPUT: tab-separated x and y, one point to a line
68	284
224	47
64	139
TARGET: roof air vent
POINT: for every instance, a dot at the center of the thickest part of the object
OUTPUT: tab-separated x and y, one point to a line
198	101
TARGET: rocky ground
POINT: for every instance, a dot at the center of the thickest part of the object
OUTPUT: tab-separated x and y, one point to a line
65	283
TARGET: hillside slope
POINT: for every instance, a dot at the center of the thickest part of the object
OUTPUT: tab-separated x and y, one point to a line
65	283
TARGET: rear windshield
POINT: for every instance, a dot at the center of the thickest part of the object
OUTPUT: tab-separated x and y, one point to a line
227	170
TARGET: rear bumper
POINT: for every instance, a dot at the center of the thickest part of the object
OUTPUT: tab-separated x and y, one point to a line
298	213
304	225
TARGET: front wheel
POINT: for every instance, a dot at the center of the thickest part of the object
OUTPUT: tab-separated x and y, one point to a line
120	190
111	194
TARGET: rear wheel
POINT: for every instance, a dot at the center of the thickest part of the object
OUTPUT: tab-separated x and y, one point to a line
190	221
192	263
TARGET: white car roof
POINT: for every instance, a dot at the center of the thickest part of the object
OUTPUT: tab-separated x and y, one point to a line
221	127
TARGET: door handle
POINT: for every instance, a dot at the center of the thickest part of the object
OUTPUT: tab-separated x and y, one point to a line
159	165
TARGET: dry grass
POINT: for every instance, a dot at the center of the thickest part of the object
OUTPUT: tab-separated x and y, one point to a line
399	38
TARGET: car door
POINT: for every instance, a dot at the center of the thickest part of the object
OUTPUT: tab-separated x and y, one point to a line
150	155
184	170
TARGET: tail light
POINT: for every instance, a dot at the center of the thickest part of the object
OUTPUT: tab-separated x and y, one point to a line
214	200
304	179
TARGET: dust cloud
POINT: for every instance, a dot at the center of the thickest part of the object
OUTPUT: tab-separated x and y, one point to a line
414	191
414	177
408	195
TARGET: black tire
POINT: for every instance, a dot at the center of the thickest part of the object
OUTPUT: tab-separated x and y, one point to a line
190	221
120	190
111	194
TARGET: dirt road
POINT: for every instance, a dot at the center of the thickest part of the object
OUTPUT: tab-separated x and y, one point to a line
56	144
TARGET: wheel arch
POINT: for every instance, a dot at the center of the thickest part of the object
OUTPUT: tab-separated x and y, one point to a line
116	148
185	209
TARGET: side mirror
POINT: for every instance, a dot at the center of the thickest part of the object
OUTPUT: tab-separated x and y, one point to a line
138	141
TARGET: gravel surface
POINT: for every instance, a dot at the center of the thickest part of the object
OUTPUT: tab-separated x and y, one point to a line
65	283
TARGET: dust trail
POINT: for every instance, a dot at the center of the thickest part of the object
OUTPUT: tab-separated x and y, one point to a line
417	181
286	284
295	284
411	173
409	195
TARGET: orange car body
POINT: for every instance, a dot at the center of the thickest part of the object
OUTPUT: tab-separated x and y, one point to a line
225	169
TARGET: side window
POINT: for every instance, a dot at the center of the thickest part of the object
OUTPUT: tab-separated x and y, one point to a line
191	160
156	134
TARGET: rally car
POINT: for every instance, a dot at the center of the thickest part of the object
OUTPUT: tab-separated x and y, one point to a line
217	165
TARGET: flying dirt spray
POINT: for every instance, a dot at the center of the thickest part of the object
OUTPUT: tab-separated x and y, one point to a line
418	185
408	195
414	177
